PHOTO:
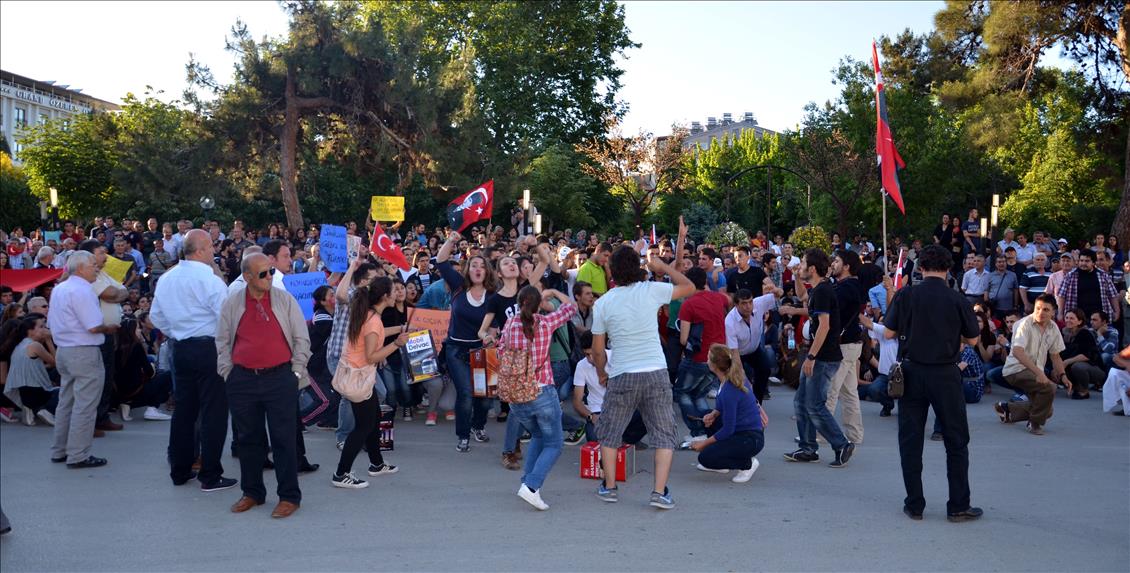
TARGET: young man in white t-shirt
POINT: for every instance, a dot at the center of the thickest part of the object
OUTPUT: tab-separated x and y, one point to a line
584	378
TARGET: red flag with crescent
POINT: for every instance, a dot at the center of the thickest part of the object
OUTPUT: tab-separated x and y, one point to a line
474	205
898	271
889	160
383	247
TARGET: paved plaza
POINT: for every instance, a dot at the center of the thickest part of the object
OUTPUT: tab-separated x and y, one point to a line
1060	502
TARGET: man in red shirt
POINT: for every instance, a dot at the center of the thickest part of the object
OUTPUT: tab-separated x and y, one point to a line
263	345
702	322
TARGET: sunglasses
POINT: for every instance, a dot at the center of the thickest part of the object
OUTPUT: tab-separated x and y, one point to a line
266	273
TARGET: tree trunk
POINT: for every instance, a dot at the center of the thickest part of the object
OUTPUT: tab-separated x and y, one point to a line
1121	227
288	170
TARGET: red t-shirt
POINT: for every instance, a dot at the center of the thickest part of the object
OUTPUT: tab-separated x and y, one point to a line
259	340
709	308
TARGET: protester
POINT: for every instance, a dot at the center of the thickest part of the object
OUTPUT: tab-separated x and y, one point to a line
1035	338
111	293
702	324
135	383
736	424
1088	289
745	337
28	384
1116	389
1081	358
851	298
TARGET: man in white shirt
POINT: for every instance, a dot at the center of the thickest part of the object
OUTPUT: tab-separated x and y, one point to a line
975	281
745	334
1035	339
186	307
77	329
1006	242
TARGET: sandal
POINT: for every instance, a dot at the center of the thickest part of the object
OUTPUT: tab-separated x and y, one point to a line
1002	412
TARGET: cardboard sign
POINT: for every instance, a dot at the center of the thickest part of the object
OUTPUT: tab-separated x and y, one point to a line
354	243
334	248
53	236
302	287
590	462
117	268
420	357
484	373
434	321
387	208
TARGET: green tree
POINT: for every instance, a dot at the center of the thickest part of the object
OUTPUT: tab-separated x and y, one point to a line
20	207
77	160
563	192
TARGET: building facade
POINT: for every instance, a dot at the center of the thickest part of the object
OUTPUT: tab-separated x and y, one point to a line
25	102
702	135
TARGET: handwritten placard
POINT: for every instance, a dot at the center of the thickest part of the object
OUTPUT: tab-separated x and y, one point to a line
354	245
387	208
435	321
334	248
302	287
117	268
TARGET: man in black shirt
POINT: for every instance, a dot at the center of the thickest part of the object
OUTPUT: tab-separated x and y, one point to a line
850	300
744	276
931	321
810	400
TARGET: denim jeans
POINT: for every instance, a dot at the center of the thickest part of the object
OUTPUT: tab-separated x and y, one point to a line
995	377
543	418
877	391
810	404
563	379
470	412
396	387
691	388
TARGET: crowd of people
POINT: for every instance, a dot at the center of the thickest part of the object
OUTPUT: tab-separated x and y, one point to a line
626	336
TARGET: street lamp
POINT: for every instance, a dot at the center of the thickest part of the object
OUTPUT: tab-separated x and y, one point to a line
207	203
537	224
55	205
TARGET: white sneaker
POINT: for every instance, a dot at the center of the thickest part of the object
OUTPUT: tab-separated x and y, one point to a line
124	411
348	481
690	440
703	468
29	416
156	415
774	380
47	417
532	497
382	470
745	475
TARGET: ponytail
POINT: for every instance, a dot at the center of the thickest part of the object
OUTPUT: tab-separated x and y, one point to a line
529	299
723	360
363	301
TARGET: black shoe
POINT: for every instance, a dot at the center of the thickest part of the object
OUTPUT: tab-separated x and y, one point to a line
58	460
915	515
885	412
219	484
843	455
967	515
936	437
802	456
268	464
91	462
184	480
307	468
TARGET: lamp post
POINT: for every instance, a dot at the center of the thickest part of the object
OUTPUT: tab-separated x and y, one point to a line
55	206
526	206
985	231
537	224
207	203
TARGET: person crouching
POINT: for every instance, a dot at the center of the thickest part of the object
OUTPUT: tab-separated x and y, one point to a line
736	426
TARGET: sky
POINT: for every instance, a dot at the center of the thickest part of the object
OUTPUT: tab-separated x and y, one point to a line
697	59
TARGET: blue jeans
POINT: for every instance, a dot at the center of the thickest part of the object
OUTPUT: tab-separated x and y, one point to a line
563	379
543	418
877	391
691	388
396	387
470	412
811	405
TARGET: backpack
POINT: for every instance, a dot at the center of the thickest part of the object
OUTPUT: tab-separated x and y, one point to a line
517	373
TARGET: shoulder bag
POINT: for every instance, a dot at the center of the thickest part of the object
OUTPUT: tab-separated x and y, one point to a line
517	373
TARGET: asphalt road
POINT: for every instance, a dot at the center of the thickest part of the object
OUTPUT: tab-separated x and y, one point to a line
1060	502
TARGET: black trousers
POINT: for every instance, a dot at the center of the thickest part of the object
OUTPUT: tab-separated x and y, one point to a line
108	360
262	404
37	399
366	431
733	453
155	392
757	368
199	394
940	387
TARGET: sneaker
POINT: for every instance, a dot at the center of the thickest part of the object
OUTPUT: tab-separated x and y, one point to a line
936	437
124	410
802	456
449	416
155	415
885	412
47	417
694	439
219	484
340	446
1035	429
382	470
532	497
703	468
775	380
348	481
967	515
662	500
575	437
6	415
745	475
463	446
431	421
843	455
480	435
609	495
525	437
1002	412
1019	397
29	417
407	414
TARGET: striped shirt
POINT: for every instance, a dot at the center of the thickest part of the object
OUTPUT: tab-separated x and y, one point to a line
1034	283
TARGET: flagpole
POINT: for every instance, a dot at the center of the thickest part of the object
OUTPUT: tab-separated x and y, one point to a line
886	254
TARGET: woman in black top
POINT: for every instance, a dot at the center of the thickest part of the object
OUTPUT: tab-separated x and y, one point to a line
134	383
1081	355
395	318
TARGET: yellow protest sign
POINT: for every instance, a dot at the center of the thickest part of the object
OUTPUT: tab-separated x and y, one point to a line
117	268
387	208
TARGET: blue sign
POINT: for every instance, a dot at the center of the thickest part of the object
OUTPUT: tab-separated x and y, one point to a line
332	248
302	287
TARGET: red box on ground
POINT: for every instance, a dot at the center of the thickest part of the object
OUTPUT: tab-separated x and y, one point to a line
590	462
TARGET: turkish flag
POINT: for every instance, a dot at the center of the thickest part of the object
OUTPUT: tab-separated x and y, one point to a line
474	205
889	160
383	247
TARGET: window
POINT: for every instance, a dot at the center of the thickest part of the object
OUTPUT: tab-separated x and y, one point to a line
42	118
17	150
21	117
66	125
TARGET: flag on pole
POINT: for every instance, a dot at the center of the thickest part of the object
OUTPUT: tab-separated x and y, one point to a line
474	205
654	239
383	247
888	156
898	271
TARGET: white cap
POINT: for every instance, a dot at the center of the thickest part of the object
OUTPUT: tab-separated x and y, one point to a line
564	252
1062	240
717	262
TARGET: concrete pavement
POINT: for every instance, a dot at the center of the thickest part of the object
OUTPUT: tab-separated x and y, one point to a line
1060	502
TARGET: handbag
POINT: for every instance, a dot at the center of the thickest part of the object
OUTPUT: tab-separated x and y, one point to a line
896	381
355	384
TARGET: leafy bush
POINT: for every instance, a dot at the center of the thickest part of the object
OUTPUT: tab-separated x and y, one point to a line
699	218
728	233
804	238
